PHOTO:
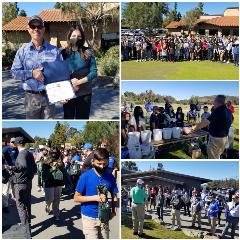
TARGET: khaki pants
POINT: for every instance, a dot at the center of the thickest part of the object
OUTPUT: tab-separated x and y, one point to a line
176	215
52	196
216	147
94	229
196	215
212	222
138	214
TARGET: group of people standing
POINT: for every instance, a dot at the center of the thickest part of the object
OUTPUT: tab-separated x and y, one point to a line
217	122
196	204
223	49
27	67
82	174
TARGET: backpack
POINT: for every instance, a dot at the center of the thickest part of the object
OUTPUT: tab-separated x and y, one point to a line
74	169
56	173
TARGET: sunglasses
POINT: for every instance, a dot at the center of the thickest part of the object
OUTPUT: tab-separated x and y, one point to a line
36	26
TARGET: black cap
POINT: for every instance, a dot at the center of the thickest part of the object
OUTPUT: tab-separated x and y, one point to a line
19	140
36	18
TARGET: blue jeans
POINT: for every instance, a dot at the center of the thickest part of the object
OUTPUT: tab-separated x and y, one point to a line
236	59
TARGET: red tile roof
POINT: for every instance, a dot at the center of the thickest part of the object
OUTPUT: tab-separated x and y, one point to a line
224	21
17	24
48	15
56	15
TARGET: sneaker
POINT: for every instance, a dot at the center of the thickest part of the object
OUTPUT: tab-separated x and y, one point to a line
56	218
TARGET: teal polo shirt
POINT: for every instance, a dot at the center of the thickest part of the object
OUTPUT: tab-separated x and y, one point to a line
138	195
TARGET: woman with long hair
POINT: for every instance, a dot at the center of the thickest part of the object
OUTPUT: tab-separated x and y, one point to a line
82	65
138	120
53	177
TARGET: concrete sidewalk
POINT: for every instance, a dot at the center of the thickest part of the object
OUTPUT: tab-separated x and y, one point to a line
43	225
105	100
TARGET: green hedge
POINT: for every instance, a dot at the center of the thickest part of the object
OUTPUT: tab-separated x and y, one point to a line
109	63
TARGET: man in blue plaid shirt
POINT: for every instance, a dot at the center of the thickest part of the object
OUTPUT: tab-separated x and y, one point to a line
27	67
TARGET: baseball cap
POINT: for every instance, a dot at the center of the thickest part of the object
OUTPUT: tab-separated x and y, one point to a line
140	181
36	18
12	140
19	140
88	146
76	158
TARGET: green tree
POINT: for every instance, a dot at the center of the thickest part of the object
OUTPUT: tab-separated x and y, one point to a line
96	132
22	13
77	139
9	11
129	165
57	5
145	15
39	141
93	14
59	136
193	100
190	19
200	8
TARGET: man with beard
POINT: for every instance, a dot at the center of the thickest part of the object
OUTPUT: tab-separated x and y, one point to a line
27	66
95	208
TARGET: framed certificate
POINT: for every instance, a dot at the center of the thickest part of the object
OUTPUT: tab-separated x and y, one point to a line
60	91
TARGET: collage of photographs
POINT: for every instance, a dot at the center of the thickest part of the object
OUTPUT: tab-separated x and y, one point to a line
120	120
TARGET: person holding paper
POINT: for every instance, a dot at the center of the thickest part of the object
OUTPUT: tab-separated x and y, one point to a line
27	67
82	65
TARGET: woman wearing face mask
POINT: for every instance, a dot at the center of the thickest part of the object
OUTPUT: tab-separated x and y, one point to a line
82	65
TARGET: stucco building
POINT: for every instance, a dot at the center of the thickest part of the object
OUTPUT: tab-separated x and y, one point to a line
57	25
225	24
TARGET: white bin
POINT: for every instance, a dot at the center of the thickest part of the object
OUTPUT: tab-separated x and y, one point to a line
157	134
176	132
146	136
167	133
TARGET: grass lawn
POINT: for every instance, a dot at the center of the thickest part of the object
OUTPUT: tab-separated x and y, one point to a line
152	230
179	150
132	70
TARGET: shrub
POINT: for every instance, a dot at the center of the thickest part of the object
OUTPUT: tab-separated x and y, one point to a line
7	58
109	64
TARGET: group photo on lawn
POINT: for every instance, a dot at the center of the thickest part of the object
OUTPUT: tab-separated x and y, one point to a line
180	200
60	60
60	180
180	120
181	40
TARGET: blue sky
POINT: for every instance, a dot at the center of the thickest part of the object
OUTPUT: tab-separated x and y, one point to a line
206	169
34	8
40	128
183	89
209	7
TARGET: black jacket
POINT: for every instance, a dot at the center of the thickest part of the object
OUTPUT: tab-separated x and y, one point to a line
25	168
